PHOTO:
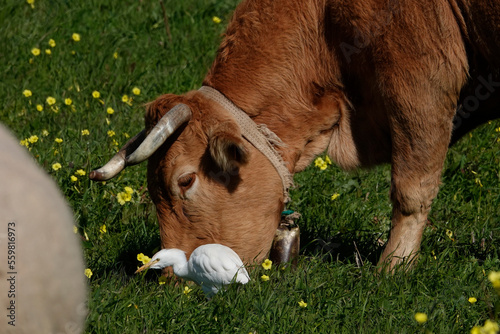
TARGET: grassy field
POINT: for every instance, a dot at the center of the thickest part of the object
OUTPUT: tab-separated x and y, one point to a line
122	45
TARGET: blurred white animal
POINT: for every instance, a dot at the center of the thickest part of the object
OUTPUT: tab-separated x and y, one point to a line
211	266
42	282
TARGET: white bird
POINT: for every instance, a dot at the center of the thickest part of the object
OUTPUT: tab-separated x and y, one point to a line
211	266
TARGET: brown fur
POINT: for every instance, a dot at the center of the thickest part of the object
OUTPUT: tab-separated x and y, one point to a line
229	205
369	81
227	146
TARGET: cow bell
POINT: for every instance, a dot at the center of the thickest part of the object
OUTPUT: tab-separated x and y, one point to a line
286	243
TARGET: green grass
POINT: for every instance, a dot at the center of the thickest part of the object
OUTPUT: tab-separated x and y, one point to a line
336	275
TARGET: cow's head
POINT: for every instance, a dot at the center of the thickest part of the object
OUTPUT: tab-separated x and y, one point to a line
208	183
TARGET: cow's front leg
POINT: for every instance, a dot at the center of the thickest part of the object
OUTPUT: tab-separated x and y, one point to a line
412	198
417	162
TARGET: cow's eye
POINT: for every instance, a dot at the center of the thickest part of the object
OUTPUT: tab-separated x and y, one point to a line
185	181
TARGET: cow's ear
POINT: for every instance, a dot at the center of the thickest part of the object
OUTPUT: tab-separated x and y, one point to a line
227	146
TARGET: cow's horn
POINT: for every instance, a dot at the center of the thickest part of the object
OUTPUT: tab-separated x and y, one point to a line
141	147
118	161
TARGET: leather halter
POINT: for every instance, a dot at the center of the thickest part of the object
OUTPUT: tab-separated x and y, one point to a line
259	136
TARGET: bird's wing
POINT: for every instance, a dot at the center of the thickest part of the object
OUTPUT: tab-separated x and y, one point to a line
243	276
235	264
216	266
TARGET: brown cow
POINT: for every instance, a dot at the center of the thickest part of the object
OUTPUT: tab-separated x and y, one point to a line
368	81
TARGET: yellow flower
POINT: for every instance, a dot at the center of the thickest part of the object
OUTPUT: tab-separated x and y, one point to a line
33	139
102	229
497	129
478	181
129	190
39	107
35	51
123	197
24	142
490	327
494	277
327	160
27	93
264	278
88	272
80	172
85	132
56	166
472	300
47	51
320	163
58	140
52	43
187	290
51	101
335	196
136	91
162	280
449	233
302	303
45	133
143	258
96	94
267	264
68	101
73	178
115	55
475	330
420	317
125	98
111	133
110	110
76	37
216	20
31	3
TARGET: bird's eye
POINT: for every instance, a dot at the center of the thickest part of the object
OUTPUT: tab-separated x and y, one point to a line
185	181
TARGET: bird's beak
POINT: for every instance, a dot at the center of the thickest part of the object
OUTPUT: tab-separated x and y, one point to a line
146	266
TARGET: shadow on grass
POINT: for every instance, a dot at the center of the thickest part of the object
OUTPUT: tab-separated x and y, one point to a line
361	247
350	247
125	259
128	262
147	246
